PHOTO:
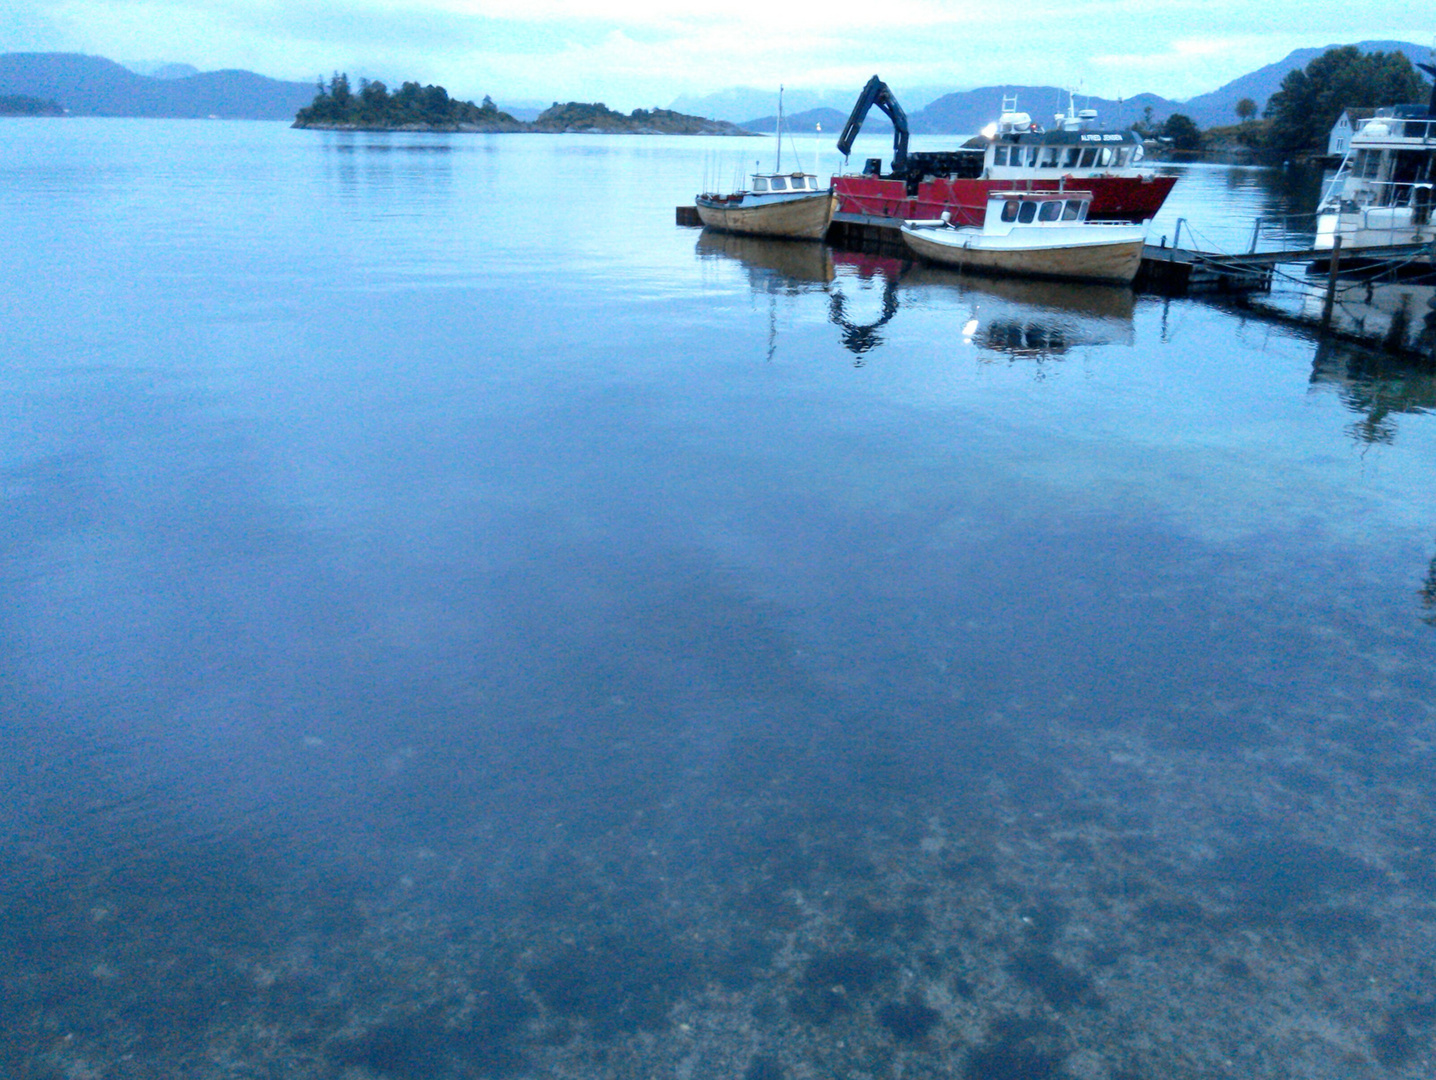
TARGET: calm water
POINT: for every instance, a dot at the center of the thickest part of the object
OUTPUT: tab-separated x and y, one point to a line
456	624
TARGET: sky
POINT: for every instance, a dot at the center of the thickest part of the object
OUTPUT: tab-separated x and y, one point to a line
641	53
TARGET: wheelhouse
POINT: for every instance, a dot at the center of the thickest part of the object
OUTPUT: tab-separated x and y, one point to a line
1008	208
1019	147
771	183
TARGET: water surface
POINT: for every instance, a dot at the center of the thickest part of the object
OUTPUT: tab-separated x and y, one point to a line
457	624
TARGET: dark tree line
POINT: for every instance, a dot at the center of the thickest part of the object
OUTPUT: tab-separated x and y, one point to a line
373	105
1304	110
1301	114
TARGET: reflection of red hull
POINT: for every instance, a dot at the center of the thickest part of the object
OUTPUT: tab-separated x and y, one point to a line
1114	198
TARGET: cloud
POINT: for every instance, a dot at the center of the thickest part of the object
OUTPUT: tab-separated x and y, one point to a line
643	52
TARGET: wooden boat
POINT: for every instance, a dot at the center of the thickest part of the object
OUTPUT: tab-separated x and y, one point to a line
797	210
775	204
1034	234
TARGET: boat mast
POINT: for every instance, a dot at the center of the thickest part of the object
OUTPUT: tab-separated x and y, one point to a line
779	167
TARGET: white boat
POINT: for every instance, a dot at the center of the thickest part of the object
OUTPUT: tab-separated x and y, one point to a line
776	204
1382	193
1034	234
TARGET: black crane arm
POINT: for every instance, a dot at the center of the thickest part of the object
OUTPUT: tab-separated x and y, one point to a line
1429	69
876	92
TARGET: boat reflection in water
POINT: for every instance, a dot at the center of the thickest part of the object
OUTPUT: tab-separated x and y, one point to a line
1030	319
1013	317
1401	315
770	261
1377	385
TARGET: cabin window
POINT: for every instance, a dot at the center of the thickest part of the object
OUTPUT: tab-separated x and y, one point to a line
1051	210
999	156
760	183
1072	157
1119	157
1027	213
1088	156
1073	210
1009	210
1049	157
779	184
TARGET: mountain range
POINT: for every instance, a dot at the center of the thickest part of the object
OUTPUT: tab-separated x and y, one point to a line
967	111
93	86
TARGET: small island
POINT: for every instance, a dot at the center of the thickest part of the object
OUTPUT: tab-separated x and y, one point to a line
20	105
430	108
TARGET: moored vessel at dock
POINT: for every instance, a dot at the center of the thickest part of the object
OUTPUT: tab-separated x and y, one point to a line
776	204
1383	192
1014	154
780	205
1034	234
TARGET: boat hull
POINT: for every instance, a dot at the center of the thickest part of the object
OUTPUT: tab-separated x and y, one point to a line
1114	198
1116	262
794	219
1380	226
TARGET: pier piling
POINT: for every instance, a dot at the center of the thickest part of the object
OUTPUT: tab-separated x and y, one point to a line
1331	285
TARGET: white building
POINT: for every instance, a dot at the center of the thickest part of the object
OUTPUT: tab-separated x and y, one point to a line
1349	122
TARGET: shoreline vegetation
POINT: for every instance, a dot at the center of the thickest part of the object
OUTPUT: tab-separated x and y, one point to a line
21	105
336	107
1297	122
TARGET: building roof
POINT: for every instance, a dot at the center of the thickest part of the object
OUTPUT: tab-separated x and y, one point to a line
1356	115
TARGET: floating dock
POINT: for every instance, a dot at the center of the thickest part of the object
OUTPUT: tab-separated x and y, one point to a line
1177	271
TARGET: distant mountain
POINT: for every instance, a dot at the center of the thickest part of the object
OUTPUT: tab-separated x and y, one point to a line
967	112
162	71
94	86
934	111
970	111
738	102
803	122
527	113
1219	107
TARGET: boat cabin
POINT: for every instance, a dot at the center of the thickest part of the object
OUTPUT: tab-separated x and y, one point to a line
1019	148
1040	208
1061	153
769	183
1392	161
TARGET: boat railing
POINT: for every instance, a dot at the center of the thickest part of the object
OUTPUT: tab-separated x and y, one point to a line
1425	130
1278	231
1370	194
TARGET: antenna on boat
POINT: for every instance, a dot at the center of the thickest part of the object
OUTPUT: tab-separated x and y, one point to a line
817	149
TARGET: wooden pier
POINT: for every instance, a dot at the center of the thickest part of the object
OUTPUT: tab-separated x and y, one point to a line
1178	271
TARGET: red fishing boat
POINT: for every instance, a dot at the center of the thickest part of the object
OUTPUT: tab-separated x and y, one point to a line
1014	154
